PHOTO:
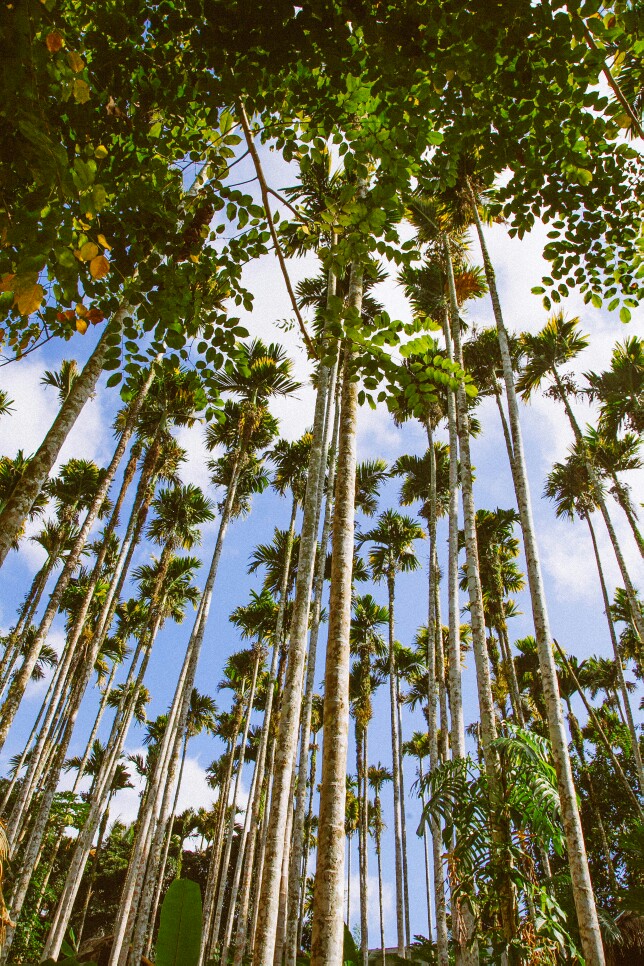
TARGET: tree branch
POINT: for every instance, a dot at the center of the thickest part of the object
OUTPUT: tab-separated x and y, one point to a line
278	248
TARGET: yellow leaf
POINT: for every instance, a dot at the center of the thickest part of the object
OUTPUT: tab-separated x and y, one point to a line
75	61
81	326
194	258
28	298
99	266
54	41
80	90
88	251
81	311
6	283
100	152
102	240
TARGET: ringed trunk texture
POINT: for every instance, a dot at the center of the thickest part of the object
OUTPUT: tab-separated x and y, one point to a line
297	845
286	742
328	932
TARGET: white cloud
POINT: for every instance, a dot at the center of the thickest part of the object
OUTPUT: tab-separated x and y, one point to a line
35	408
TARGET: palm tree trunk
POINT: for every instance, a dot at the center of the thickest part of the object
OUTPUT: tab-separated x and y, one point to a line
601	502
328	937
500	829
380	903
233	911
307	839
15	640
364	852
30	853
348	919
134	882
621	494
99	801
297	845
426	851
578	742
280	936
395	756
600	731
92	877
254	805
403	817
286	743
20	503
231	828
166	849
19	683
105	694
261	837
581	883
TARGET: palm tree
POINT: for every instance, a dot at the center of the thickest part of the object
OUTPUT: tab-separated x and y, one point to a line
582	887
378	775
555	345
619	389
291	461
95	509
263	372
418	747
391	553
179	513
6	404
574	494
500	576
327	936
611	455
63	379
12	472
366	644
255	621
286	741
202	716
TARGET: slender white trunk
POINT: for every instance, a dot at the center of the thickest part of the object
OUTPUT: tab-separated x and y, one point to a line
286	743
254	804
223	879
328	933
297	846
99	802
618	662
580	875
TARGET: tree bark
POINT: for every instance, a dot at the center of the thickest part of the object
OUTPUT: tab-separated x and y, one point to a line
286	742
581	883
328	935
297	846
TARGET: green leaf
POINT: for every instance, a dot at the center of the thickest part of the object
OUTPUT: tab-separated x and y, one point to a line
624	314
179	939
350	953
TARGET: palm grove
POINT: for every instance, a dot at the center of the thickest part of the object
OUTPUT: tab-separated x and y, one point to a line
407	131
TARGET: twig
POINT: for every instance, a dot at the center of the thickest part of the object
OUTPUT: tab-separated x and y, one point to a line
617	91
280	254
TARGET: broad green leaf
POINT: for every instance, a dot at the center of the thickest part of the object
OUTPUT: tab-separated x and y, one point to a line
179	939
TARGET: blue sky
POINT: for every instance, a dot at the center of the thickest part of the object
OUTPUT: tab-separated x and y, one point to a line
570	577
